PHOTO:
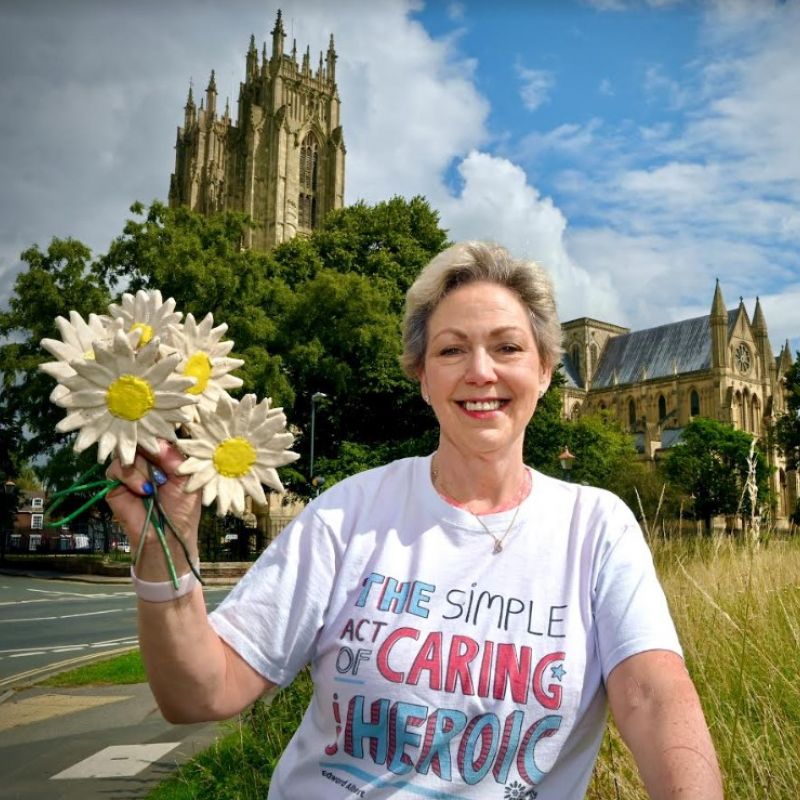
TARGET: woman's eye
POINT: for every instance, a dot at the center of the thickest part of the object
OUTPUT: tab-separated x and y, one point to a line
510	348
449	351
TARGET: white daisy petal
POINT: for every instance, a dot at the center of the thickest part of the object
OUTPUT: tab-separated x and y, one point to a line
210	493
208	473
252	486
83	399
59	370
196	447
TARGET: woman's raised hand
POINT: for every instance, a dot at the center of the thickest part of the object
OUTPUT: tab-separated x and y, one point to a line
147	475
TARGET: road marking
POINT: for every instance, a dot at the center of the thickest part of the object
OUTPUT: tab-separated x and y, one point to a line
119	761
46	706
69	616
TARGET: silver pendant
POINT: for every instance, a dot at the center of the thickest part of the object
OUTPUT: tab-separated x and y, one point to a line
498	546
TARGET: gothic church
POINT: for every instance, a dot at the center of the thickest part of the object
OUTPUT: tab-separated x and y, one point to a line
655	381
282	161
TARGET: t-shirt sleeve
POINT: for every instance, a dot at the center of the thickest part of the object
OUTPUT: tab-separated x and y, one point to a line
630	608
273	616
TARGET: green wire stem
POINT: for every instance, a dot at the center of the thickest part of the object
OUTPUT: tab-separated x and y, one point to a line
160	523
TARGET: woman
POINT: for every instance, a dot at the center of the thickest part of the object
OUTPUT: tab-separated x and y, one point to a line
465	617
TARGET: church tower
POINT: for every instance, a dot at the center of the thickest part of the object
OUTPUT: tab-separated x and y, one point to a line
282	161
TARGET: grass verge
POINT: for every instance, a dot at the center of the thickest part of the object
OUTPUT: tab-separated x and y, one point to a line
122	669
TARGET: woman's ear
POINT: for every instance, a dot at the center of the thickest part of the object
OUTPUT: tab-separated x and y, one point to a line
423	388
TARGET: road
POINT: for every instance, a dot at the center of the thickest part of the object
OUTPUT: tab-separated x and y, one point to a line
46	622
83	743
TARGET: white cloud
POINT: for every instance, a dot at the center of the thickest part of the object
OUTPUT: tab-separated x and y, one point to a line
497	203
455	11
605	87
536	86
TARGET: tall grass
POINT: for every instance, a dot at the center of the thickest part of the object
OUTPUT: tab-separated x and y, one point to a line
737	610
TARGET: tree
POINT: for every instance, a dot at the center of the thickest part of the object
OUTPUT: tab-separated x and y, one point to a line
787	429
710	467
62	279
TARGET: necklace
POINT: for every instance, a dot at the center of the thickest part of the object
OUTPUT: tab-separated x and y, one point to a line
498	540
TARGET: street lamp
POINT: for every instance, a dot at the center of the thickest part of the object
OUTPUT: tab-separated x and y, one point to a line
314	397
566	458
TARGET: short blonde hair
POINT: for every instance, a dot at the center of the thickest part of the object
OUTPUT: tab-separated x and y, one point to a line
469	262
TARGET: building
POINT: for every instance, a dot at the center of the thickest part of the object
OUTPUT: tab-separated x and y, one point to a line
282	161
655	381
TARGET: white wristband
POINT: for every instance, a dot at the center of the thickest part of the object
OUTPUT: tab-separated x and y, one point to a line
163	591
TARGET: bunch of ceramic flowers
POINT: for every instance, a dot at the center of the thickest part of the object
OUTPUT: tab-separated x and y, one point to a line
139	374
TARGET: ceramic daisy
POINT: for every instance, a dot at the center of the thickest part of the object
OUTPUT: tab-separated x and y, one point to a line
146	313
204	357
77	338
123	398
234	450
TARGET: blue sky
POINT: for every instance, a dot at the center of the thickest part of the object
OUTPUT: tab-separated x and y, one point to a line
637	148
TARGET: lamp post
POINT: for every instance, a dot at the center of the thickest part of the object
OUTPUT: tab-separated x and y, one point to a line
314	398
566	458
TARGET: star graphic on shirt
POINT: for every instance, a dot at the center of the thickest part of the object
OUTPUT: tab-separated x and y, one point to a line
558	672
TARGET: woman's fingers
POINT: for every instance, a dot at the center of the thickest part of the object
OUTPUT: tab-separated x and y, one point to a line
135	478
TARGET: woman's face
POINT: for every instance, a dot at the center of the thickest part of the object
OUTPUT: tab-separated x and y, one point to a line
482	370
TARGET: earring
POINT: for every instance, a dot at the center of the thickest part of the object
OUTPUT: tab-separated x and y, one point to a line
541	393
426	399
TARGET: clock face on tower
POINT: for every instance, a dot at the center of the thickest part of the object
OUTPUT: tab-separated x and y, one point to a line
742	359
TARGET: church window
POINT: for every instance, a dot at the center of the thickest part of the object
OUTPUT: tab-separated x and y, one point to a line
575	355
742	359
694	403
309	174
662	408
592	358
631	412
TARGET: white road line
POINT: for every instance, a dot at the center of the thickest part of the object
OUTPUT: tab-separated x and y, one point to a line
68	616
57	648
119	761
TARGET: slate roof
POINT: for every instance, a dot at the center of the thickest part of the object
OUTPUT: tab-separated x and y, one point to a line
677	347
572	379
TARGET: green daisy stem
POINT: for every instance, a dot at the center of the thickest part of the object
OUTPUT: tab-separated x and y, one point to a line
109	485
168	524
148	504
62	495
165	548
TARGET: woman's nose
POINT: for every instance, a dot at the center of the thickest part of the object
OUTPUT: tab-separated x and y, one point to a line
480	367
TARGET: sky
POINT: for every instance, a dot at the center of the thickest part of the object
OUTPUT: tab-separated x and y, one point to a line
638	149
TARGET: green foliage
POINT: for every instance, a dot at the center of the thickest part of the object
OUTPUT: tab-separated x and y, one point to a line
240	765
317	314
56	282
788	425
546	435
120	670
710	467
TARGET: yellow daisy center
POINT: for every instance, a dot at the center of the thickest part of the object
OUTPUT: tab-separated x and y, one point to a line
198	366
234	457
129	397
147	332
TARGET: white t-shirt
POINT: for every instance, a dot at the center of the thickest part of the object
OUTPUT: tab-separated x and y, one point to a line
442	669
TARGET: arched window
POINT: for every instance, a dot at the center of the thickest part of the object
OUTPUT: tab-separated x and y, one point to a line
575	355
309	165
662	408
631	412
694	403
575	413
737	411
755	415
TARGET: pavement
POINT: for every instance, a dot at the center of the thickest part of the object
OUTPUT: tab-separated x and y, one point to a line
91	742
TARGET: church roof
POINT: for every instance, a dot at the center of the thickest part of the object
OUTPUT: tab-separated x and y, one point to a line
572	378
677	347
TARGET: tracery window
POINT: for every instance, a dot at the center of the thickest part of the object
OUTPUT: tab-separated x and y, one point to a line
694	403
662	408
631	412
309	174
575	355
